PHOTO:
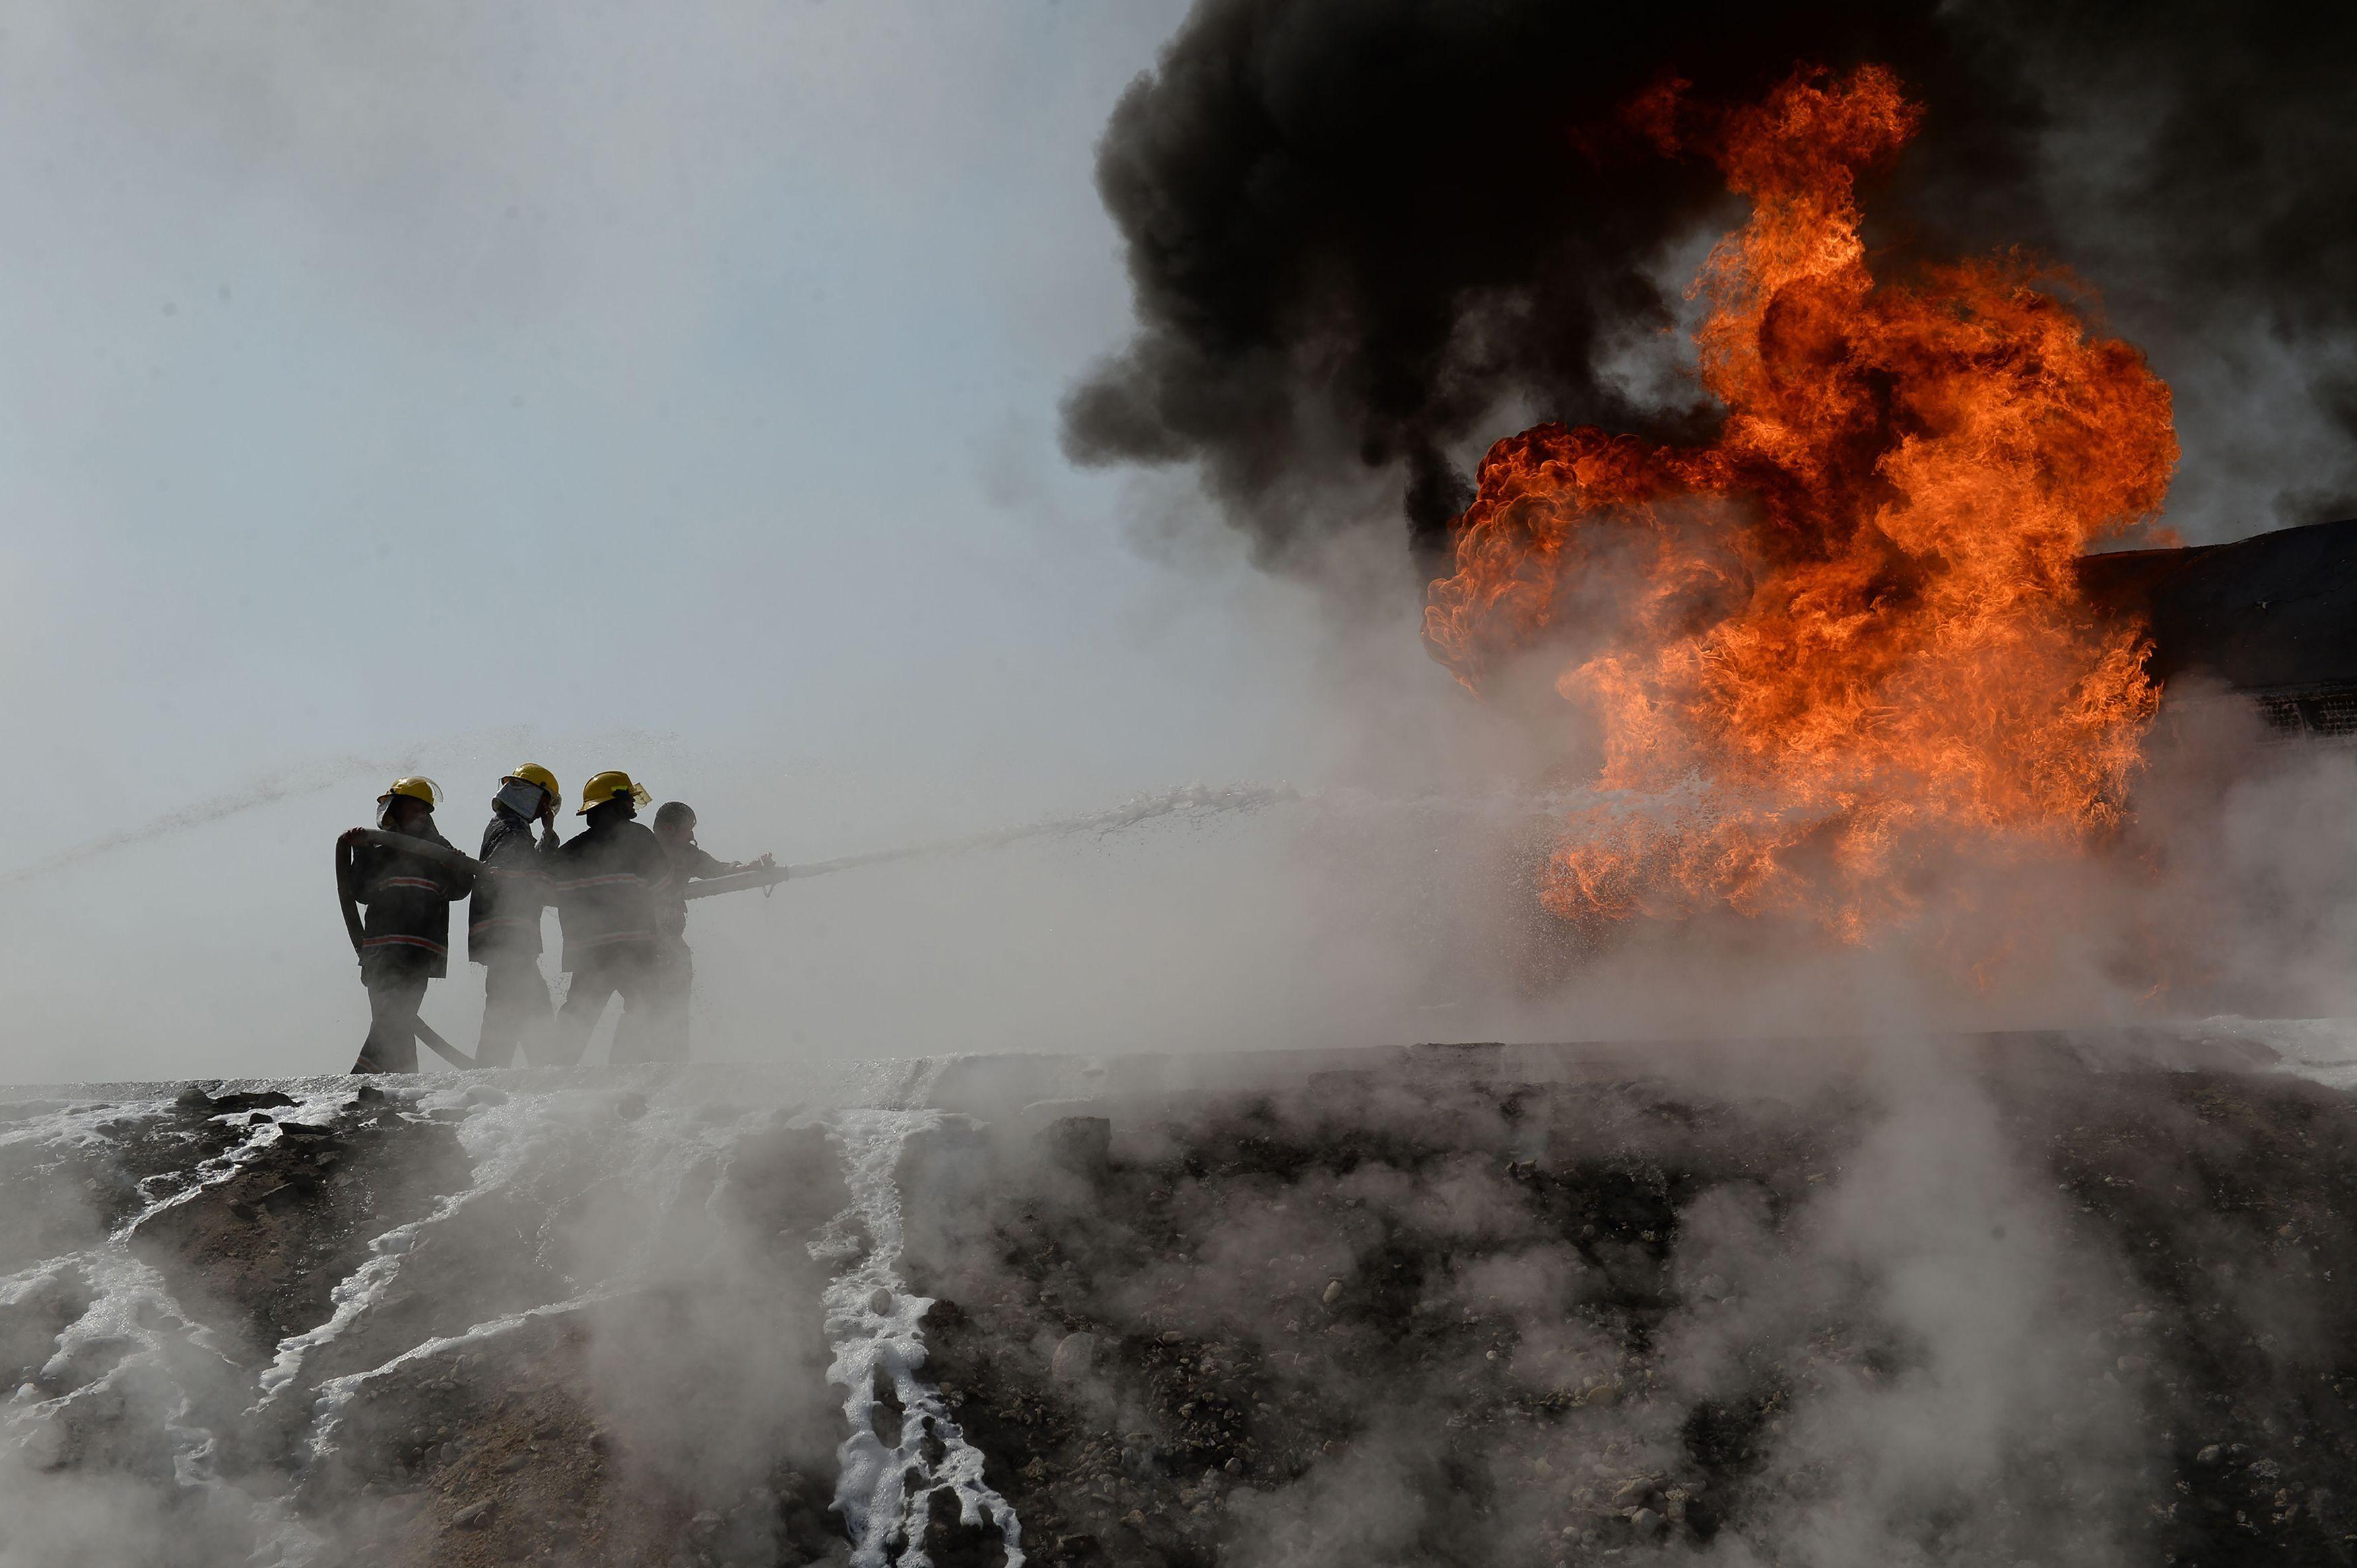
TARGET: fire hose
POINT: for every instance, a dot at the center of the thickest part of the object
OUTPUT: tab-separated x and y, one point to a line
770	876
739	881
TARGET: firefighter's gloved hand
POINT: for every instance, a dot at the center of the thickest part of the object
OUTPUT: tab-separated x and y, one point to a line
350	836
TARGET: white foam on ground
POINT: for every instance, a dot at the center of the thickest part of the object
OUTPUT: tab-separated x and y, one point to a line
127	1296
135	1328
663	1148
336	1395
2322	1050
884	1493
260	1136
498	1139
672	1146
131	1313
77	1126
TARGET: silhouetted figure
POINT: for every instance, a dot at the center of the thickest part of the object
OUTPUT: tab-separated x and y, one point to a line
675	965
405	941
503	928
606	881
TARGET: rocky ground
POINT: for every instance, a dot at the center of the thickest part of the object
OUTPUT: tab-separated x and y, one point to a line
1487	1322
672	1410
1430	1308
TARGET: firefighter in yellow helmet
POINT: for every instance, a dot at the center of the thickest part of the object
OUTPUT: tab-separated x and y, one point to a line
405	939
503	925
606	881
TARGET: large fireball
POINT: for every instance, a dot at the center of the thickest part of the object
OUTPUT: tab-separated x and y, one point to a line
1855	648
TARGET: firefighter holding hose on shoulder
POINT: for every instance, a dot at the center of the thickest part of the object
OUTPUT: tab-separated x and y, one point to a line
503	925
674	965
404	942
606	881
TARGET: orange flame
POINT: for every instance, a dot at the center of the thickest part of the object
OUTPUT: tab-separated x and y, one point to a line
1855	648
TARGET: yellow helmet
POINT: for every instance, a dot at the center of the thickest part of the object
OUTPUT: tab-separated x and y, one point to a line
417	787
534	773
612	784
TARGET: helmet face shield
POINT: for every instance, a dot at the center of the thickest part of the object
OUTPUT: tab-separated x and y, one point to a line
534	773
416	787
524	798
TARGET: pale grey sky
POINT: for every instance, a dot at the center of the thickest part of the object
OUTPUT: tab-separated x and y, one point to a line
400	370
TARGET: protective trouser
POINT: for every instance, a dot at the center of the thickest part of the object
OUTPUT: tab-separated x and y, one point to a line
664	1038
628	972
516	1011
395	995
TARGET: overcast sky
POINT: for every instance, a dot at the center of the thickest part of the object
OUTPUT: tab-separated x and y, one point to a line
389	371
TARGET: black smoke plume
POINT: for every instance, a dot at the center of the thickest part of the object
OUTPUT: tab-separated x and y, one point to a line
1368	237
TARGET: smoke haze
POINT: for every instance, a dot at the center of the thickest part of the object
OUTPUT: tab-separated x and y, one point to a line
1365	240
675	389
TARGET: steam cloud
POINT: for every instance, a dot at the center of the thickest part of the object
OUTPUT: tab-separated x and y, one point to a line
1367	239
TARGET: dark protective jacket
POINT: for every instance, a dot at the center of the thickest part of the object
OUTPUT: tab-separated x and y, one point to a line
504	920
670	892
407	929
606	881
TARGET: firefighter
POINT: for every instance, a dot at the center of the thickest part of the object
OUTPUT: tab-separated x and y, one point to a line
503	928
606	881
405	940
674	965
